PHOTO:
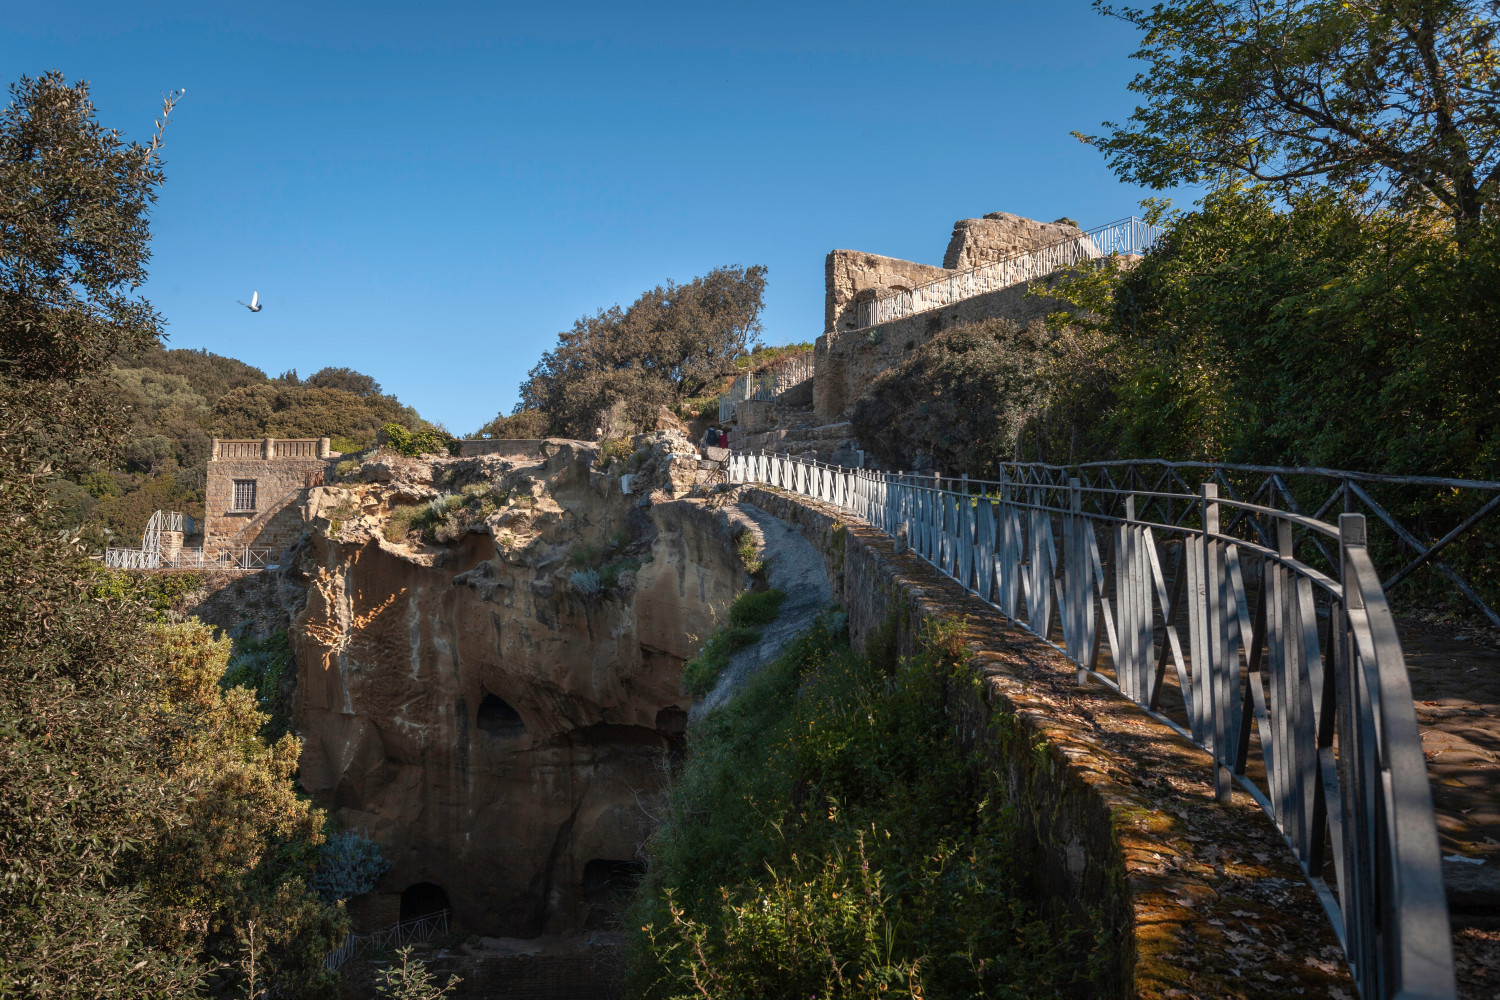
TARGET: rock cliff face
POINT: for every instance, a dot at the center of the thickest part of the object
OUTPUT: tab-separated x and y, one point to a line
494	695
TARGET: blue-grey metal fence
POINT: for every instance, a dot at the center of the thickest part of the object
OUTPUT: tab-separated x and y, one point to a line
1325	711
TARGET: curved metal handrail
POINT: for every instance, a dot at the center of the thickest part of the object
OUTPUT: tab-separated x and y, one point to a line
1272	658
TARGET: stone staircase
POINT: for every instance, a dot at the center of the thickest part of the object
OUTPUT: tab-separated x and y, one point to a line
794	430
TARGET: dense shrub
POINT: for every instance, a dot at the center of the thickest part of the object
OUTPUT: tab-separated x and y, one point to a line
747	613
756	607
427	441
259	664
521	425
832	834
349	865
671	344
957	402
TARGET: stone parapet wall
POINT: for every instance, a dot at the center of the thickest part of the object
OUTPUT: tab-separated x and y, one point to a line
525	447
851	276
1116	812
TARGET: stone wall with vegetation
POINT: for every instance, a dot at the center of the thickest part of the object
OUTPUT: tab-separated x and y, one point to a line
1117	821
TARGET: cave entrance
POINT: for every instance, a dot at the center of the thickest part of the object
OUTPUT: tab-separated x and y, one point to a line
423	899
497	718
607	886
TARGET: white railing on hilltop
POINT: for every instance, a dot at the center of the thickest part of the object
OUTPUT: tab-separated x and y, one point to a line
768	383
1128	236
406	932
1328	710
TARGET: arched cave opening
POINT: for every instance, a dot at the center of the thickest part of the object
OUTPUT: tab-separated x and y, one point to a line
497	718
607	886
423	900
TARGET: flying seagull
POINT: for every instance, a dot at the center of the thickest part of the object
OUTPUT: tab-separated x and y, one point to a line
254	304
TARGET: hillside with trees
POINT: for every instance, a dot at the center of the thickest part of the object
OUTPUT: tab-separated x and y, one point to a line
175	402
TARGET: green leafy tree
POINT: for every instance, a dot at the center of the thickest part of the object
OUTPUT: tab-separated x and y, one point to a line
140	815
1395	94
346	379
75	801
671	344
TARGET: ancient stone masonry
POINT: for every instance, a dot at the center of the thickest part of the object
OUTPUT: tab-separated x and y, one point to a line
847	358
977	242
255	488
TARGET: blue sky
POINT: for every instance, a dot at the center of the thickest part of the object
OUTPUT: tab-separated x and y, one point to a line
430	192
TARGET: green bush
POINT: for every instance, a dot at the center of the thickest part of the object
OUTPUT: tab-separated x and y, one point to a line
747	613
260	664
428	441
162	593
700	673
833	834
756	607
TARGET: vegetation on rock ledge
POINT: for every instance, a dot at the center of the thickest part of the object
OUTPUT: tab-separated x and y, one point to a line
831	835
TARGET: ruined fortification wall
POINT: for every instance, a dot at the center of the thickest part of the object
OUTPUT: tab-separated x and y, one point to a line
976	242
847	358
847	364
852	276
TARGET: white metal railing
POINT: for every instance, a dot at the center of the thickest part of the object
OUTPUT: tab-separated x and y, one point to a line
404	933
234	557
1128	236
1326	709
768	383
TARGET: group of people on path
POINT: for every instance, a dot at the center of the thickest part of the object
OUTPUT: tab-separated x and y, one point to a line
715	437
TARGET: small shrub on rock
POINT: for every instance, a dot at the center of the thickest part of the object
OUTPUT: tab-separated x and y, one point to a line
428	441
349	865
756	607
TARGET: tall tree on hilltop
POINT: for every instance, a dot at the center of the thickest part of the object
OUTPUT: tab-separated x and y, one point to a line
671	344
1400	98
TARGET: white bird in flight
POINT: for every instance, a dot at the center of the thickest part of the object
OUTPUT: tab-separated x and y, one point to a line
254	304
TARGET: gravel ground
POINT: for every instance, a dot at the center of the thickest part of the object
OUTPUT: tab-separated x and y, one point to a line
796	568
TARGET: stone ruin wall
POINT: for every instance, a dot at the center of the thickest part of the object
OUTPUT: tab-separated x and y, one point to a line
847	361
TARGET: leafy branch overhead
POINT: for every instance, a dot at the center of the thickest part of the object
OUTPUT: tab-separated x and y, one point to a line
1394	97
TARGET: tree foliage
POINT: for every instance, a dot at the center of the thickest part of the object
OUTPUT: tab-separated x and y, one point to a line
1317	334
521	425
1400	94
140	815
957	403
672	343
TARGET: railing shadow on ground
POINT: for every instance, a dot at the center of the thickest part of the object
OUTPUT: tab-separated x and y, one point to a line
1213	588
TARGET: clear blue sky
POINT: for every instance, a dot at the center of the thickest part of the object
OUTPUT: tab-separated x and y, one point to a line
429	193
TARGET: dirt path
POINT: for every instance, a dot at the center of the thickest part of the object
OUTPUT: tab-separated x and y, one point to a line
795	568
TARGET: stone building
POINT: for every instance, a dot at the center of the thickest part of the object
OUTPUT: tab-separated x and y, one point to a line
256	489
